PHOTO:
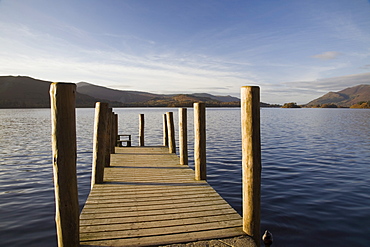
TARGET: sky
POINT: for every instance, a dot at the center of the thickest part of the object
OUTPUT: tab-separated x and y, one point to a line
295	50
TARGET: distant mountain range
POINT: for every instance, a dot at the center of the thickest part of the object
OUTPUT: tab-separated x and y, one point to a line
27	92
344	98
136	98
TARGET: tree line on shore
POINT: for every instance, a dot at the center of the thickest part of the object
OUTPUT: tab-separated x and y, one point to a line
361	104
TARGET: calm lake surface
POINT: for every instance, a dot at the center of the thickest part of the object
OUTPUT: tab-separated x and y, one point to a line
315	177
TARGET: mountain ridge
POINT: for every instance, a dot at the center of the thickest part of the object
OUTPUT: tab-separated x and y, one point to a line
343	98
27	92
124	96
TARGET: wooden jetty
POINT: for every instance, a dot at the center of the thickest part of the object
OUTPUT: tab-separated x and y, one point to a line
148	196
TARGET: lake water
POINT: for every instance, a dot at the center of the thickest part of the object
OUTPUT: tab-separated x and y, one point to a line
315	176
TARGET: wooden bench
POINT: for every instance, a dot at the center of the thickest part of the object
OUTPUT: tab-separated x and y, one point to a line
120	142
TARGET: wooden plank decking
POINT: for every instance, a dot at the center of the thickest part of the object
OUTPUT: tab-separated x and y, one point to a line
149	199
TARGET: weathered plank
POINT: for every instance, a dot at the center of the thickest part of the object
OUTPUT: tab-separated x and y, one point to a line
148	198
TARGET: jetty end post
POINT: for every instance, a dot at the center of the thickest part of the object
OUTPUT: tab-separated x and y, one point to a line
99	143
113	137
183	136
171	133
165	131
141	130
200	141
108	147
115	129
63	118
251	161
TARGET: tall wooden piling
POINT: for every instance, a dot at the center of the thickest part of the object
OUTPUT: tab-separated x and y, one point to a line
183	136
251	161
113	136
200	141
108	147
99	145
171	133
63	117
115	129
141	129
165	130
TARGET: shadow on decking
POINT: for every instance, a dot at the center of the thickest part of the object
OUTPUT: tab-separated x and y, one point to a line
151	154
195	183
151	167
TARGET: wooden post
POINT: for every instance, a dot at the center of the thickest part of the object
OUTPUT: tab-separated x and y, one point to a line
63	118
112	131
200	141
115	129
251	161
141	129
183	136
171	133
99	145
108	138
165	131
113	137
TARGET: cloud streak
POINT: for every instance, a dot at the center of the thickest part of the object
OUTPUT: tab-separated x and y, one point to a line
304	91
329	55
151	54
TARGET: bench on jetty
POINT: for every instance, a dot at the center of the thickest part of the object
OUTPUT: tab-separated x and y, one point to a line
148	196
120	141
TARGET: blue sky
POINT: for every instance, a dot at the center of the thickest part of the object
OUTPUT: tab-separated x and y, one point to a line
294	50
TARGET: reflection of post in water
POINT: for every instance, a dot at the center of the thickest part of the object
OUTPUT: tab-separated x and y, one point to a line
267	238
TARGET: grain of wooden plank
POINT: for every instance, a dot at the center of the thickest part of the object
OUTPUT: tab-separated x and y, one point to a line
153	197
158	214
125	203
138	232
168	211
148	198
150	210
132	190
159	223
153	218
166	239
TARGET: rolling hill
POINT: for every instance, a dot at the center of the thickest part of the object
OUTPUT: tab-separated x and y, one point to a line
113	94
130	97
27	92
344	98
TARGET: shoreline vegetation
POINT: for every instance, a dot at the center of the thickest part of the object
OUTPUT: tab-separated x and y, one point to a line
359	105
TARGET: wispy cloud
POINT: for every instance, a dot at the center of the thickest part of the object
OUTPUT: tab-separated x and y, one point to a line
330	84
329	55
305	91
213	58
154	73
366	66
